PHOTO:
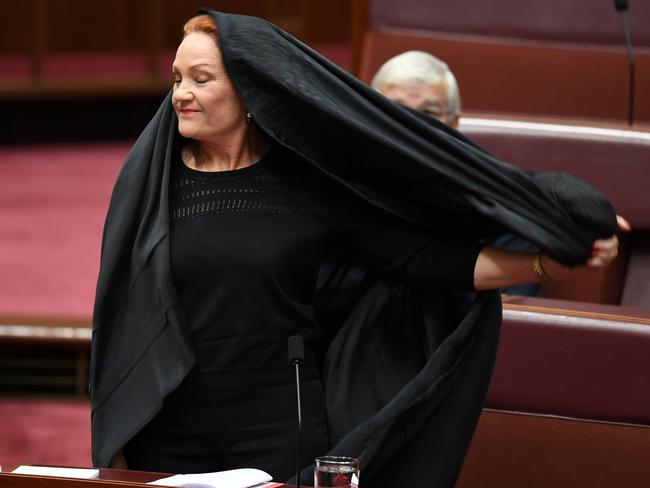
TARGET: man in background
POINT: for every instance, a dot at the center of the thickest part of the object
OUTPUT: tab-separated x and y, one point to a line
423	82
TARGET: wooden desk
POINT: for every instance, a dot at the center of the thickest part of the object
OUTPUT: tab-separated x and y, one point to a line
117	478
107	477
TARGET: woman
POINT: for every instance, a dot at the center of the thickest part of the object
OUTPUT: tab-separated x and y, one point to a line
273	195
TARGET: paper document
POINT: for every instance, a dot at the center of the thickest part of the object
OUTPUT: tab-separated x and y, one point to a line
234	478
81	473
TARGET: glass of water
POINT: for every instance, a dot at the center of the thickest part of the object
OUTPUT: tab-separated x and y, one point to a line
341	471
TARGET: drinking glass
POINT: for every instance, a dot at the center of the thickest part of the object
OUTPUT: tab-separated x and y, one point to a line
339	471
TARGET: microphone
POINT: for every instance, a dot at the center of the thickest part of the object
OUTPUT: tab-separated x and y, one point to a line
621	7
296	348
621	4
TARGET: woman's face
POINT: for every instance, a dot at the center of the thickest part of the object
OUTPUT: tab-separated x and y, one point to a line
206	102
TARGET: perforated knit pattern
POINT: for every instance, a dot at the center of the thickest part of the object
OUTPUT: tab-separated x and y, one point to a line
194	194
230	206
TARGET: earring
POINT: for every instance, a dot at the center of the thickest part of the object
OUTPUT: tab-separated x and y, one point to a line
249	118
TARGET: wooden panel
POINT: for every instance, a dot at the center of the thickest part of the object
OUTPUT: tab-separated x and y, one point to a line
80	25
326	22
311	21
17	32
358	24
178	12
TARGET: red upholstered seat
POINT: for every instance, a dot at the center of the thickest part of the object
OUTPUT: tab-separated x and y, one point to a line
577	360
514	449
569	403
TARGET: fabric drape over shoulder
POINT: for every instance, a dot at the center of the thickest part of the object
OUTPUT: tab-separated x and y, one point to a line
407	163
408	369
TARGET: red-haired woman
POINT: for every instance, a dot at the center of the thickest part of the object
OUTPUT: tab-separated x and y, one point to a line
237	215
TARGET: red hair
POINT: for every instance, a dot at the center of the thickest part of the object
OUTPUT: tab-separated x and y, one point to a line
201	23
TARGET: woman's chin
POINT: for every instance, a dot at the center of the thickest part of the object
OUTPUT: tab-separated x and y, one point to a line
187	132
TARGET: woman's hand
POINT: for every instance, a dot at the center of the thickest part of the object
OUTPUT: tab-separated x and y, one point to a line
496	268
606	250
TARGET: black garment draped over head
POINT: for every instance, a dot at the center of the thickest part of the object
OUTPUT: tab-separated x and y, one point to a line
408	369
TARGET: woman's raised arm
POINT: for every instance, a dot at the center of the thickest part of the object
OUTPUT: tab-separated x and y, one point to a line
496	268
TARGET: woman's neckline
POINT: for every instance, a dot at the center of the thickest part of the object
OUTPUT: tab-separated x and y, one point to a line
251	168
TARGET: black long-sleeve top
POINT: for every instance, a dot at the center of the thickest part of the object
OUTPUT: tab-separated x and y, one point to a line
246	248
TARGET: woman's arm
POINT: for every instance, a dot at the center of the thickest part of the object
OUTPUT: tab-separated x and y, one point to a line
497	268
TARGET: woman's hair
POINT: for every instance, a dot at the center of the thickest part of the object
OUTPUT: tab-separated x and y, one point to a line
201	23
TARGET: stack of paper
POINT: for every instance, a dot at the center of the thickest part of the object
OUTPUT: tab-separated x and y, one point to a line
234	478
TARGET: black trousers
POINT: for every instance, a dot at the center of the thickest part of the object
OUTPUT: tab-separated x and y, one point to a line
201	430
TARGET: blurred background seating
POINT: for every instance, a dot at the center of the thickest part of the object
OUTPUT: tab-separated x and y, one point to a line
542	58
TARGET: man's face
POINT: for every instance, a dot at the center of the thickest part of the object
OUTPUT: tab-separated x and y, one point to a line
424	97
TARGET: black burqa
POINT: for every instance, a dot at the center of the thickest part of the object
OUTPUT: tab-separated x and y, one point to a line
407	370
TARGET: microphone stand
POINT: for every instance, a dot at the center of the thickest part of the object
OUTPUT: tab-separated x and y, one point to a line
296	356
621	7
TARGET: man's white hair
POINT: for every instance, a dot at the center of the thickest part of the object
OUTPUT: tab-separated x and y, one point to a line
419	67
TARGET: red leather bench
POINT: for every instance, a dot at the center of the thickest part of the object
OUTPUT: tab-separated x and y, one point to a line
569	403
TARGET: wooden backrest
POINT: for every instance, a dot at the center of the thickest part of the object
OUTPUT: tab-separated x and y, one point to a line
549	57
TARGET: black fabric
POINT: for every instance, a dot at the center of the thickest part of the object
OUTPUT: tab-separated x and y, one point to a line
407	368
211	428
247	246
407	163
